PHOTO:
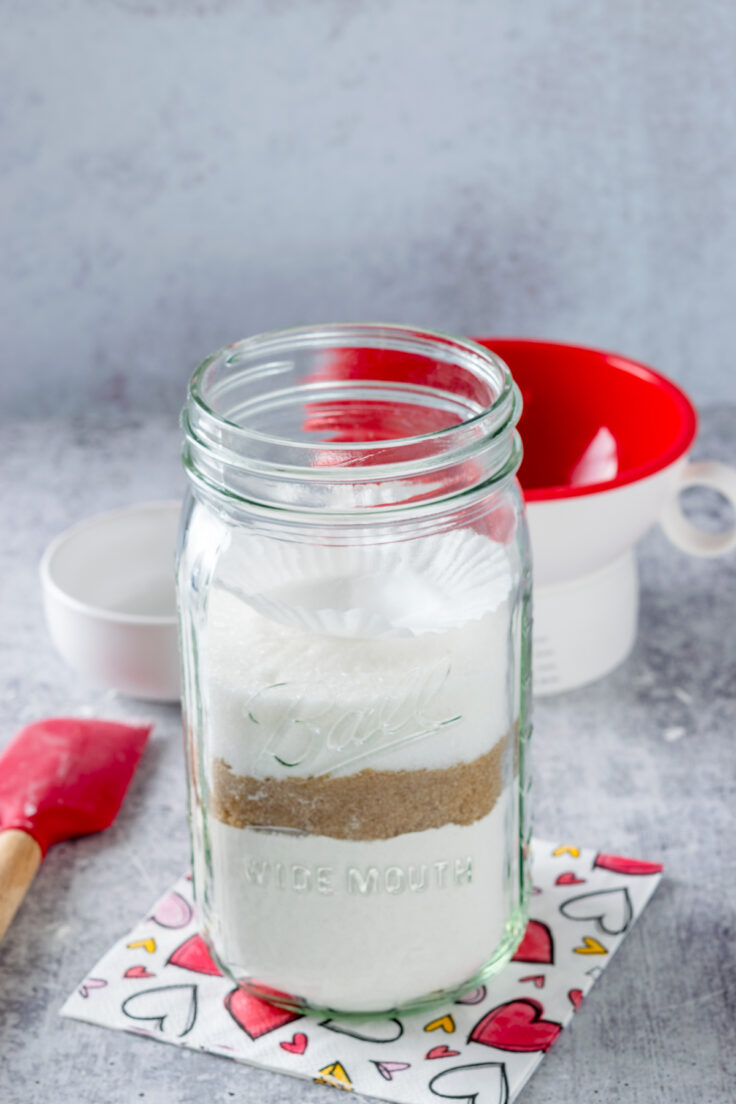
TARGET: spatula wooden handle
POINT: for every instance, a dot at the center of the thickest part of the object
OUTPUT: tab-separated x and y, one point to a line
20	858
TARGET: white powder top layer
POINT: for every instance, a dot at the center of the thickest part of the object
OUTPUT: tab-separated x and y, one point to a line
356	926
286	701
406	588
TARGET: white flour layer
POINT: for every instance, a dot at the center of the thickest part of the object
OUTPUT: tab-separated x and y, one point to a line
361	926
284	701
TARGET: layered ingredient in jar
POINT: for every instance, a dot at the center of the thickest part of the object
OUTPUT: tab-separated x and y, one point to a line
361	822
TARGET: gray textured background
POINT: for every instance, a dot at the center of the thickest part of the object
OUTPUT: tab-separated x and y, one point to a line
639	763
180	173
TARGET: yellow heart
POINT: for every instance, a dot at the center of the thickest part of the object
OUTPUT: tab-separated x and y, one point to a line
592	946
147	945
574	851
335	1074
446	1023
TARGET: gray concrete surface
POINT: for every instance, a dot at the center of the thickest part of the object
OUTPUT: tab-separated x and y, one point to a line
659	1027
177	174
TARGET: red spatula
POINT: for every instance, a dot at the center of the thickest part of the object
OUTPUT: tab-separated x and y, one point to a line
59	778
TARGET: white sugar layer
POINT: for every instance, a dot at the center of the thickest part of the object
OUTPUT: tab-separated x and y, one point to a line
362	926
284	701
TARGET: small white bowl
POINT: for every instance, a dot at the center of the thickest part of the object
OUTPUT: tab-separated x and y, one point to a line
110	600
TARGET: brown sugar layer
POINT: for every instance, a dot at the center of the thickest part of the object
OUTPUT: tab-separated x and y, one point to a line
368	805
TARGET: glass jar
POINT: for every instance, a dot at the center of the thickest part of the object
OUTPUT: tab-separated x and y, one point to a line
354	596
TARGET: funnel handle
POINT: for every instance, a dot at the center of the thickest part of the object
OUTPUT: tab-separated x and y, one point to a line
680	530
20	858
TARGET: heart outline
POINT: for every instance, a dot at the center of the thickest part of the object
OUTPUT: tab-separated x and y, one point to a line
144	996
469	1096
620	893
342	1029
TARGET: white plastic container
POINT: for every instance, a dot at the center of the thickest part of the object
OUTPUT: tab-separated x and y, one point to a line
110	599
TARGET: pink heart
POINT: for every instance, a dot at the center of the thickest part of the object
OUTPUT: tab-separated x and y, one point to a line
475	996
568	878
137	972
576	998
388	1069
441	1052
91	983
173	911
620	865
297	1045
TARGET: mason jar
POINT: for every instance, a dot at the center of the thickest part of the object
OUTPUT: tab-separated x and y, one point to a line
354	599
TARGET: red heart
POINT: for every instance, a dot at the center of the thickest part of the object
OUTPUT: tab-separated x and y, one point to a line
137	972
297	1045
536	946
538	980
193	954
441	1052
256	1016
576	998
620	865
518	1026
568	878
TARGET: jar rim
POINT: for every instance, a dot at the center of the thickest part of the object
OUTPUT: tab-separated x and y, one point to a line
326	336
484	421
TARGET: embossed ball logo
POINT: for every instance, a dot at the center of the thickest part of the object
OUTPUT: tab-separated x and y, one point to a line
309	732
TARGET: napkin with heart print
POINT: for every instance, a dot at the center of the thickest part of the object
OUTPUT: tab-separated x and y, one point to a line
160	981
